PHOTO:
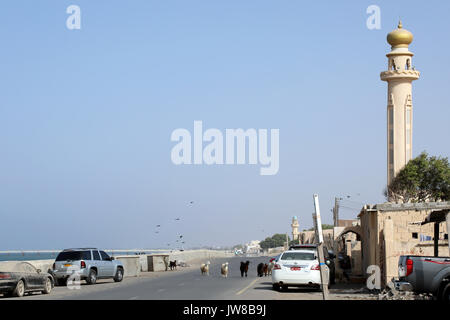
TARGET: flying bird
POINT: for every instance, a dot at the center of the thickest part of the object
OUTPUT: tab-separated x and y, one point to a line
177	219
181	237
158	225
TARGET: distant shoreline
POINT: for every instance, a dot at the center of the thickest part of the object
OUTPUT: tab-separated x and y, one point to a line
22	255
59	250
28	255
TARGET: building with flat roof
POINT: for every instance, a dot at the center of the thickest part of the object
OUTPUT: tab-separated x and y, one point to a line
390	230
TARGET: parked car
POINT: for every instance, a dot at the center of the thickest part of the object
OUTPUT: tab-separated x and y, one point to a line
22	278
328	255
90	263
423	274
297	268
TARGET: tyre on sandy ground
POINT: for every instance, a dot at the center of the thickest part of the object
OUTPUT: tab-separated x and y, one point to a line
446	293
48	286
119	275
19	290
92	277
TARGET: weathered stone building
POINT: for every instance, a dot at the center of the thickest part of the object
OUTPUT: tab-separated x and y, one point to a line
390	230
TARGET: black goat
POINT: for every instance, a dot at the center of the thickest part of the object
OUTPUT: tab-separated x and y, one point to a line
244	268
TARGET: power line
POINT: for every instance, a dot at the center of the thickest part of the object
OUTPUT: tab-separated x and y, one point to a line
356	202
350	208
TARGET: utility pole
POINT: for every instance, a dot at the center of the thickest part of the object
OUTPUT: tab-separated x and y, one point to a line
287	241
323	267
336	212
335	232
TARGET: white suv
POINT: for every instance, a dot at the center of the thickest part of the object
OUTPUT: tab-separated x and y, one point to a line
90	264
296	268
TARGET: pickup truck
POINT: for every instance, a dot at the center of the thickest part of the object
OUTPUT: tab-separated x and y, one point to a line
423	274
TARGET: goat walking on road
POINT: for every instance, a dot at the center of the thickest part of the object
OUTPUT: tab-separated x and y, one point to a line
270	268
224	269
244	268
204	268
260	269
266	269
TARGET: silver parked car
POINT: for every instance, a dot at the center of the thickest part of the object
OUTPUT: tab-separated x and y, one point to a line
89	263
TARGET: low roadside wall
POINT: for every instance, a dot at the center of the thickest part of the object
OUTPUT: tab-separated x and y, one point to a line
135	264
143	261
131	264
147	263
44	265
198	256
157	262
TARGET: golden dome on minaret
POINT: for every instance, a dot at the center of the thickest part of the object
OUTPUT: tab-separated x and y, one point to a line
400	38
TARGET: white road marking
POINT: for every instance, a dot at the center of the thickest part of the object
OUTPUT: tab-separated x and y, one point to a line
181	284
133	298
160	290
247	287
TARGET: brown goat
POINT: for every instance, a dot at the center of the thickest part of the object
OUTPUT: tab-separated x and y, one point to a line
266	269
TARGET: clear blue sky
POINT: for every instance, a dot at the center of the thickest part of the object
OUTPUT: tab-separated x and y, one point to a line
86	115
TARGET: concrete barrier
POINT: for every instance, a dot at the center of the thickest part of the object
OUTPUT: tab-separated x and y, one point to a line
131	264
198	256
43	265
158	262
143	262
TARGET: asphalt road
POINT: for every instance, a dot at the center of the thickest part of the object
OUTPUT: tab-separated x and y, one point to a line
188	284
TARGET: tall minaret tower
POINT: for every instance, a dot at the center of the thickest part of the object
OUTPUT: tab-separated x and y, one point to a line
399	76
294	226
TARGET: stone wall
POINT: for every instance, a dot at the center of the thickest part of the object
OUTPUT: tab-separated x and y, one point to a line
386	235
404	242
356	258
401	238
199	256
